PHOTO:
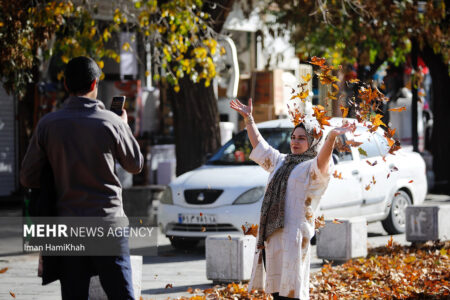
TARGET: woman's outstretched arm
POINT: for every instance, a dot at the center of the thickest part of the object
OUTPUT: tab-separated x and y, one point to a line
246	112
324	156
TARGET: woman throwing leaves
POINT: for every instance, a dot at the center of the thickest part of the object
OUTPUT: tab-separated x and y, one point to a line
296	183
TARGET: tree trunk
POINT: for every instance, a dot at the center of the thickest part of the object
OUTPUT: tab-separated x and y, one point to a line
196	124
440	142
196	115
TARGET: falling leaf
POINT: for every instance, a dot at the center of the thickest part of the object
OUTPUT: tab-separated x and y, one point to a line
319	113
371	164
12	294
344	111
203	228
411	181
250	230
319	222
140	221
362	152
201	214
398	109
336	175
306	78
336	221
367	187
3	270
169	286
352	143
229	237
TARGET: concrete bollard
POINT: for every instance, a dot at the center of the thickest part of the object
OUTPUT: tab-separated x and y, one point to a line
229	257
96	291
427	223
342	241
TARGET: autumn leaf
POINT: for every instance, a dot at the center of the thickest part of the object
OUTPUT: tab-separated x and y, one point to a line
367	187
306	78
229	237
344	111
169	286
190	290
201	214
336	221
362	151
319	113
319	222
411	181
398	109
354	80
371	164
336	175
203	228
250	230
318	61
12	294
390	242
353	143
3	270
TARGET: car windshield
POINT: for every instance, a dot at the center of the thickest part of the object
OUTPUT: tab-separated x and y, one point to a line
238	149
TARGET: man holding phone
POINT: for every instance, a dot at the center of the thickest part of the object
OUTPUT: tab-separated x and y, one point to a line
81	142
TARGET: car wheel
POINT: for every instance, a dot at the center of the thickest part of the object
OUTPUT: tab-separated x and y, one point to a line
181	243
395	221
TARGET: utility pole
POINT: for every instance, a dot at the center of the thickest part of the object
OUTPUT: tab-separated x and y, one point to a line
415	98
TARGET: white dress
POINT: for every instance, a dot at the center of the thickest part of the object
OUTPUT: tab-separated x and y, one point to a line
287	249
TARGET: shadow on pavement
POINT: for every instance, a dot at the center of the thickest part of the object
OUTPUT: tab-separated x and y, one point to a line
175	289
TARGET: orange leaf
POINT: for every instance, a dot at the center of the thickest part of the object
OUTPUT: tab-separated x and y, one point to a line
390	242
203	228
12	294
411	181
397	109
336	175
353	143
318	61
367	187
344	111
251	230
307	77
3	270
336	221
190	290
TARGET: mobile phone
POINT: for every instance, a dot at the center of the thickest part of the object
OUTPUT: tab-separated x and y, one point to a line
117	104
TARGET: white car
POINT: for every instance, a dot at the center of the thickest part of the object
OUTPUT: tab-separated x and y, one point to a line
227	192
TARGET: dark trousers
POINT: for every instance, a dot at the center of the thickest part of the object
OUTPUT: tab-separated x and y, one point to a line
114	273
276	296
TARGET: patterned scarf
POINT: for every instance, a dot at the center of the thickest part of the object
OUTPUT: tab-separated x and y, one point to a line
272	209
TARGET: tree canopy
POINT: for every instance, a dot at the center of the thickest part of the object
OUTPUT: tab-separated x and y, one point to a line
182	41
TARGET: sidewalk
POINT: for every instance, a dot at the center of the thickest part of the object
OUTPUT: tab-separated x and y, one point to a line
182	269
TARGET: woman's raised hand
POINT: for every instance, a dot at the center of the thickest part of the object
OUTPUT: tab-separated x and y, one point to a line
244	110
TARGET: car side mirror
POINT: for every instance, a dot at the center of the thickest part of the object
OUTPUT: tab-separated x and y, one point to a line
335	158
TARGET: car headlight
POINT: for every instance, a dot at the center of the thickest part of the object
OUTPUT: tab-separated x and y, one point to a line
250	196
166	197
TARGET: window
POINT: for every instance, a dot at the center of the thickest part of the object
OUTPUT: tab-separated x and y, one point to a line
238	149
369	145
343	155
382	142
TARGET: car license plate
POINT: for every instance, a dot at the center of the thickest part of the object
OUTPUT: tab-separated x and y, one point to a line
196	219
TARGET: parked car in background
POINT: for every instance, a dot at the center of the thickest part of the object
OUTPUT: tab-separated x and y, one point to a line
227	192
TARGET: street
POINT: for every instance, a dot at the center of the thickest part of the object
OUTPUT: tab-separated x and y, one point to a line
181	269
